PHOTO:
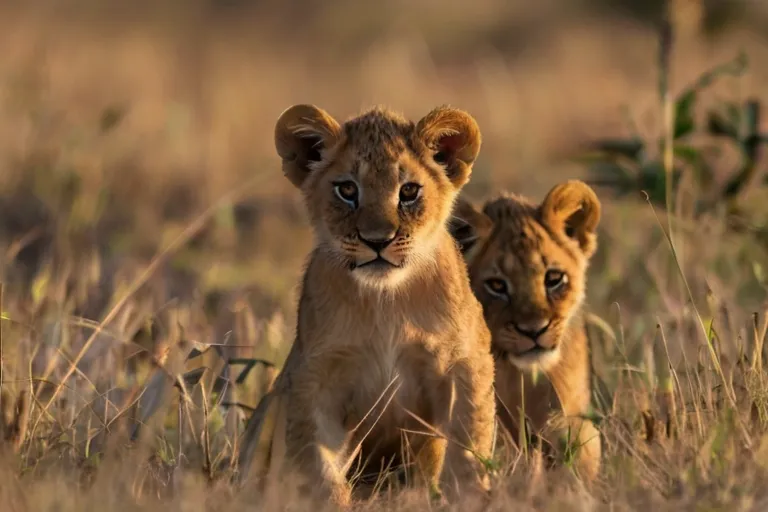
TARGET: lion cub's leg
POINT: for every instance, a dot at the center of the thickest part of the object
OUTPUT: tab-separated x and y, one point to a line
429	464
588	448
470	429
580	442
323	441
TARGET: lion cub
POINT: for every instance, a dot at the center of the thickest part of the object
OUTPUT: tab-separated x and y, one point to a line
527	265
388	327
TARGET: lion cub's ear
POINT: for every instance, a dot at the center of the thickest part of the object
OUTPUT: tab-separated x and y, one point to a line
302	133
453	139
469	227
573	209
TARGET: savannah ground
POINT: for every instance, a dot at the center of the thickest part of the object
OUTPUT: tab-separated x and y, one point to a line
139	191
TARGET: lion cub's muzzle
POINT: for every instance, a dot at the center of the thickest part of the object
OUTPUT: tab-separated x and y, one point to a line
531	341
535	333
378	251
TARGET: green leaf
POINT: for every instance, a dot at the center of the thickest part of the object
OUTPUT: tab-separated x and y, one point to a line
719	126
735	67
684	122
692	156
688	154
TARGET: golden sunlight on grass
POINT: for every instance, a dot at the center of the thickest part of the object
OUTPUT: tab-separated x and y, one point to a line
151	250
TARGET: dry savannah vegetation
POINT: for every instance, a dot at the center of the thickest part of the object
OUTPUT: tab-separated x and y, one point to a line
151	250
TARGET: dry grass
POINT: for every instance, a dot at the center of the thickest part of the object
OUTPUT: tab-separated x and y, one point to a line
121	130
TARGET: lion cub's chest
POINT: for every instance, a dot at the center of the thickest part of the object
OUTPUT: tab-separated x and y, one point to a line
392	370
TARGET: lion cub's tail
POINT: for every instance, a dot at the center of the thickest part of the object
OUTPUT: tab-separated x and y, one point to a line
263	442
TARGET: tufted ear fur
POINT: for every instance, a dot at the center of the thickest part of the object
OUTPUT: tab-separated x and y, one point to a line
573	208
302	133
469	227
453	139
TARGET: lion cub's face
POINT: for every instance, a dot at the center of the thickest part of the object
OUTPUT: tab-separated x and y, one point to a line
527	264
379	188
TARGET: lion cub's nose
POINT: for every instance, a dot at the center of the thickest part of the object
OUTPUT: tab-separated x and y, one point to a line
377	241
533	329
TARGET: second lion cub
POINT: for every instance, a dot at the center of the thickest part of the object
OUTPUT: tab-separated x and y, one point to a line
528	265
388	327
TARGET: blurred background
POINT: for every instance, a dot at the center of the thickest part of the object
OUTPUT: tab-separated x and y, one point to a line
121	123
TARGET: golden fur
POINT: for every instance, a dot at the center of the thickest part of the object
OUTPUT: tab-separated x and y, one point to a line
527	265
388	326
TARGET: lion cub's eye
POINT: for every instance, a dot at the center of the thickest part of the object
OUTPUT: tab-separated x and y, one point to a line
554	280
497	287
347	192
409	192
